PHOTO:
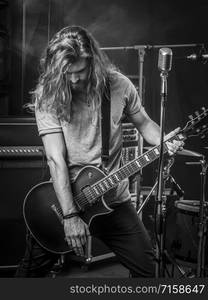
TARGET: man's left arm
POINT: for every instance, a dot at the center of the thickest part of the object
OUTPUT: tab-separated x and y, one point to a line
151	131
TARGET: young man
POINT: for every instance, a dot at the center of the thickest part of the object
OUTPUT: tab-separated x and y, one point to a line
67	102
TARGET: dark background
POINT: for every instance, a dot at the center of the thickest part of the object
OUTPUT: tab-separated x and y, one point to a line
26	27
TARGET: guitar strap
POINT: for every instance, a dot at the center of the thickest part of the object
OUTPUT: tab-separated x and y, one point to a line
105	124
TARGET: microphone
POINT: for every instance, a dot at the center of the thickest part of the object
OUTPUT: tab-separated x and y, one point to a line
165	59
199	57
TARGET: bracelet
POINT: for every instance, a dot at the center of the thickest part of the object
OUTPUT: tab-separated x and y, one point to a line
68	216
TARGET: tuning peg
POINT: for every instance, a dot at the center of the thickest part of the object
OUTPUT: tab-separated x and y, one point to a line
191	117
204	109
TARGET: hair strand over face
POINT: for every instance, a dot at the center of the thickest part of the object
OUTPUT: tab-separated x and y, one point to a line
53	93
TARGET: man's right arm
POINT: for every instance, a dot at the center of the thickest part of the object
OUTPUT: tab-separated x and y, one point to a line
56	152
75	229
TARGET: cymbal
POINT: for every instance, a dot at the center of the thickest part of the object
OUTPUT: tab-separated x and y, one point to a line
184	152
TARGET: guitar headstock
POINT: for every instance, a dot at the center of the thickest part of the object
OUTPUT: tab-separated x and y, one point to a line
198	124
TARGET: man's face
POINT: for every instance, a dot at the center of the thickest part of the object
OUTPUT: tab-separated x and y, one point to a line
78	75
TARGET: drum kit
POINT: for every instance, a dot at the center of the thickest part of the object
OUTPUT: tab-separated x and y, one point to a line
185	236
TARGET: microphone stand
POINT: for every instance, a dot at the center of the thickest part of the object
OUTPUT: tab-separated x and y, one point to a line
160	187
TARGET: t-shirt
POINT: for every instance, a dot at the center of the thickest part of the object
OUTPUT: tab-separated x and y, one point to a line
82	134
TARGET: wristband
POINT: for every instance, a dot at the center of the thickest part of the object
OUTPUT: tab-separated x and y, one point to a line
69	216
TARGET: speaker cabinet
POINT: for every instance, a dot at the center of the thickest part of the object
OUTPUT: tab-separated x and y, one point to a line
17	177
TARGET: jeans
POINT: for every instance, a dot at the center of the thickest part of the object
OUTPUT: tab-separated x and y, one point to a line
121	230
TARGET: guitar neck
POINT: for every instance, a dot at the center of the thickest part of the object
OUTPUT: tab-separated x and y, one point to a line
104	185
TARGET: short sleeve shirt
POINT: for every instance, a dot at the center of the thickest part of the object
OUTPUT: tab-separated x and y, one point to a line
82	134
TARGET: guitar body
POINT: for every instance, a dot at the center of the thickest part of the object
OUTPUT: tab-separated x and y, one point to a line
43	216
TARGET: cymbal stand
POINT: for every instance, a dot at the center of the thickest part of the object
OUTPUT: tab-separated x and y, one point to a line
202	222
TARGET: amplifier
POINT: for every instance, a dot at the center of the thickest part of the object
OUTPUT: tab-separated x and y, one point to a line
21	167
19	131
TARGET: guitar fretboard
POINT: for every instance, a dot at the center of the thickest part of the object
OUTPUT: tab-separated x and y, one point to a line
134	166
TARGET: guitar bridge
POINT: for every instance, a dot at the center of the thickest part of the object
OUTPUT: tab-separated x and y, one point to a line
57	212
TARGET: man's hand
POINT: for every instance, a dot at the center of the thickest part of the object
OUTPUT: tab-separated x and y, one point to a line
76	232
174	146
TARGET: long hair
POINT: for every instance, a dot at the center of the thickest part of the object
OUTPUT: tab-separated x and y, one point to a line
53	93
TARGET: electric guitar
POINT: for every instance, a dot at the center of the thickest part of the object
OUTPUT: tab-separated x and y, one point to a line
41	209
